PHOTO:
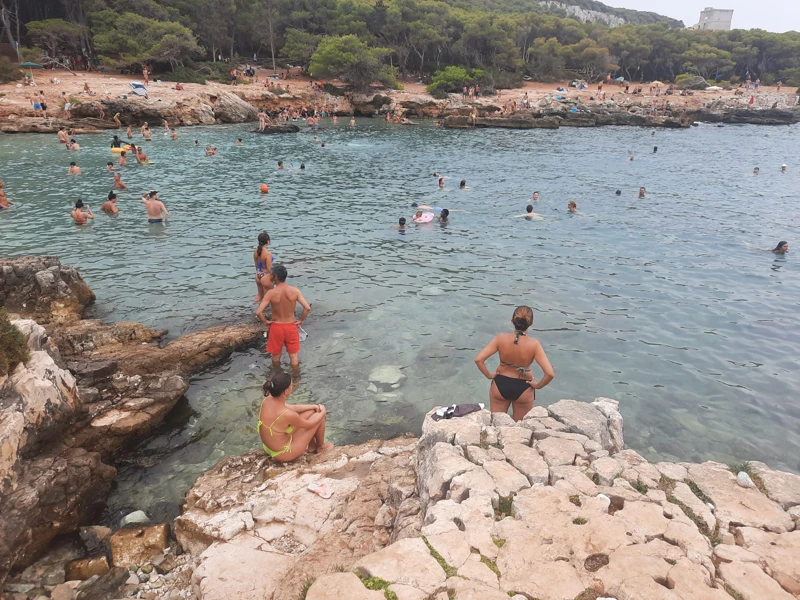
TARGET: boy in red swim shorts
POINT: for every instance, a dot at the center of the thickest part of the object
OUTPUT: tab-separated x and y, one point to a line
283	328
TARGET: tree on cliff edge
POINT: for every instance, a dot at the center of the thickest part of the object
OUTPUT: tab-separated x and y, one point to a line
349	59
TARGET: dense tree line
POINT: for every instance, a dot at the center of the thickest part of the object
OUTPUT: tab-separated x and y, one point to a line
408	37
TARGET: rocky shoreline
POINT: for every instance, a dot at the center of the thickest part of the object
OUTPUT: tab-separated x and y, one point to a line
210	104
477	508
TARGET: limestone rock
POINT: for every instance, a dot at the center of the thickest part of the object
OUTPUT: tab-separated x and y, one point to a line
406	592
557	451
607	470
475	570
683	494
583	418
781	553
474	590
42	288
610	409
234	571
341	585
514	435
407	562
138	546
528	462
735	504
751	583
783	488
507	479
437	468
452	547
672	471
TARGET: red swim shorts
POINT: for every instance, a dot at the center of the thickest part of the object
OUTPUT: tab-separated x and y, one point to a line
283	334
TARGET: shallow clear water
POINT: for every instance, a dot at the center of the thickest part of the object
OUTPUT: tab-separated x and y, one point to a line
668	304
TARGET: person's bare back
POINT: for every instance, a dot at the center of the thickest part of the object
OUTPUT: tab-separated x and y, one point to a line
283	300
154	207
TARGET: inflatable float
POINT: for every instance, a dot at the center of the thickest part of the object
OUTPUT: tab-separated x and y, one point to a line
423	218
118	150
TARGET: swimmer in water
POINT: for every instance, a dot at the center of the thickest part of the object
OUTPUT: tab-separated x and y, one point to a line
302	166
755	171
109	166
443	215
165	124
781	248
323	144
62	136
572	206
783	168
441	183
618	192
535	196
80	216
463	184
4	202
74	169
128	132
197	142
352	121
529	214
141	157
280	164
642	192
239	142
155	208
73	145
401	224
110	205
631	158
210	151
122	159
118	185
173	134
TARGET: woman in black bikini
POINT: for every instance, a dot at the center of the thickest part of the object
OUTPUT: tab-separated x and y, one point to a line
513	383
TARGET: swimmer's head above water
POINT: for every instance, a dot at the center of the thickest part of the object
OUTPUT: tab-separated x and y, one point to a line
79	204
642	191
444	214
529	209
781	248
402	222
755	171
535	195
618	192
463	184
572	206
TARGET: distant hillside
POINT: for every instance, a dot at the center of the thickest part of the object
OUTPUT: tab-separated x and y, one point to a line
585	11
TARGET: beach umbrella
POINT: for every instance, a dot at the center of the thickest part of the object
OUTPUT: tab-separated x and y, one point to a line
656	83
31	66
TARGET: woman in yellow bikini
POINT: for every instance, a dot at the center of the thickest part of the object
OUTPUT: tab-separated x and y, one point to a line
288	430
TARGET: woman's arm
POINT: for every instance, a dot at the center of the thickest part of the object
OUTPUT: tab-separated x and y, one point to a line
548	374
304	407
480	360
292	418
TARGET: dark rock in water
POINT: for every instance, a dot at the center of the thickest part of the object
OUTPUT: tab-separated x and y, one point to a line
102	588
516	122
280	128
766	116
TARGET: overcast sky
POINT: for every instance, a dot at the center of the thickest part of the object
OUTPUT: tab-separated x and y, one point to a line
772	15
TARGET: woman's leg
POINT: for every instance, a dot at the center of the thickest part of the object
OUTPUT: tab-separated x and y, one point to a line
523	405
260	293
303	438
496	401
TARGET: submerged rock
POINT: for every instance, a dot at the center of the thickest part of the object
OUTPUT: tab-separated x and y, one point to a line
386	377
138	517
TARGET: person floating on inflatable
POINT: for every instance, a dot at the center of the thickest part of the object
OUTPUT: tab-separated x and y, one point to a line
421	217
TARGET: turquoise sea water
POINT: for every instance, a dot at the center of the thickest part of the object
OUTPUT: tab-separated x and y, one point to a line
668	304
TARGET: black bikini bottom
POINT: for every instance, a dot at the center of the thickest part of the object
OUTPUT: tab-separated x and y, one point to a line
511	388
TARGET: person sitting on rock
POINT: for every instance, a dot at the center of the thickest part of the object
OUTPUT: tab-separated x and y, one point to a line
287	431
513	383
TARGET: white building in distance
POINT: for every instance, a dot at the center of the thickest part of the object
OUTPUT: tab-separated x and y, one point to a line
715	19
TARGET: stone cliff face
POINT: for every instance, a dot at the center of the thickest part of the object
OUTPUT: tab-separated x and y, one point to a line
88	390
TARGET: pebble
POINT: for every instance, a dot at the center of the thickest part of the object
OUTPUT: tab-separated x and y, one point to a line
143	577
133	579
743	479
135	518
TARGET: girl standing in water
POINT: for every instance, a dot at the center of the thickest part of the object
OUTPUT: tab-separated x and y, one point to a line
262	258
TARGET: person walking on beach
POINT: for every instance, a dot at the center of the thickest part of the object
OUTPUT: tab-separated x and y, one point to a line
284	326
513	383
155	208
287	431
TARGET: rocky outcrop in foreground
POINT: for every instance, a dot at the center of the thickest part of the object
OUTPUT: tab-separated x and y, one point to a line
483	508
87	390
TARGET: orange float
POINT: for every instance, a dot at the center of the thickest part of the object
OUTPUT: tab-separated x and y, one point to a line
264	188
